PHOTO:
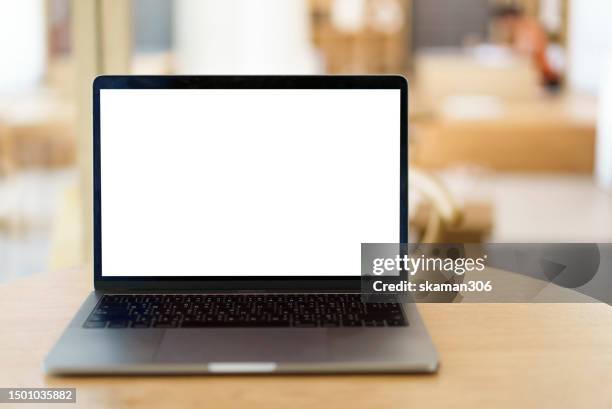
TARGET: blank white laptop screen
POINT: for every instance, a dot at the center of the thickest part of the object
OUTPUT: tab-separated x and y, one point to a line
247	182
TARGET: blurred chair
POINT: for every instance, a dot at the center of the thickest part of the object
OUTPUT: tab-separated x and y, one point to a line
6	167
445	211
487	110
6	151
46	145
36	131
439	219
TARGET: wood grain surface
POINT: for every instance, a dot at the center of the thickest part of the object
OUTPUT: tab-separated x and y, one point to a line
492	356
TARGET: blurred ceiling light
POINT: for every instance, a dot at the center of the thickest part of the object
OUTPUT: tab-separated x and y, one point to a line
348	15
22	44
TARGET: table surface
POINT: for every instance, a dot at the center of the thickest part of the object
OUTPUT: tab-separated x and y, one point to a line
492	355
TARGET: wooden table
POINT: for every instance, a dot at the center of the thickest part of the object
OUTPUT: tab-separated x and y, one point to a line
561	129
492	356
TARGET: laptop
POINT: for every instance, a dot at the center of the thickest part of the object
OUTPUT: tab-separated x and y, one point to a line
229	213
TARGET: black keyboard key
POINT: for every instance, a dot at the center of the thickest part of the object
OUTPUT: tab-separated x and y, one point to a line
395	323
165	325
95	324
118	324
241	310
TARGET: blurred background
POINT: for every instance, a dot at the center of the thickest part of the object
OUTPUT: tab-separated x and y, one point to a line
510	104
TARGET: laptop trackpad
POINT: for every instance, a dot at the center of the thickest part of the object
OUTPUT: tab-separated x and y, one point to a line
243	345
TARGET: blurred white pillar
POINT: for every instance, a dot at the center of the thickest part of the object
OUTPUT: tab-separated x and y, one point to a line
603	151
22	43
101	41
590	70
590	41
242	37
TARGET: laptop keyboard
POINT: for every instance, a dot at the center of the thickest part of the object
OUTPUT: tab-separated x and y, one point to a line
241	310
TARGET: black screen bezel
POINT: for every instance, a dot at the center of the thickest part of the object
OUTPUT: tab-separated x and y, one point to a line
219	283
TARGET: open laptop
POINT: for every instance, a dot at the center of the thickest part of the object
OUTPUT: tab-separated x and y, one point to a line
229	214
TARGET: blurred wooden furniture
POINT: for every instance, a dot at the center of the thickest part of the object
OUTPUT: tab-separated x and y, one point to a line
444	212
440	219
482	70
48	144
533	8
527	207
492	355
6	167
535	136
6	150
36	130
379	43
495	115
474	226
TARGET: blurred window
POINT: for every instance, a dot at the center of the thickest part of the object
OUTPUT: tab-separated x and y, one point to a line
443	23
152	25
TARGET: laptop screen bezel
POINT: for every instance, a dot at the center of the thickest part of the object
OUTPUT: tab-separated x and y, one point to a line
218	283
